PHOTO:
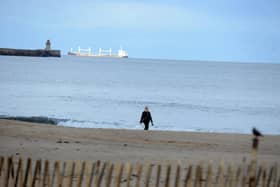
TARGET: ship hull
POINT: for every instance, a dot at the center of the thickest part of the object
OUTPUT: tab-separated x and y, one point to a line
97	56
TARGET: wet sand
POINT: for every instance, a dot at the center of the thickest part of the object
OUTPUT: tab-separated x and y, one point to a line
42	141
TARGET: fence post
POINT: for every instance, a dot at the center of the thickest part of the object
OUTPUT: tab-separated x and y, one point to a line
19	174
209	176
258	175
252	173
229	175
158	175
96	173
2	159
70	167
119	170
4	173
270	176
46	175
188	179
244	174
90	176
64	173
10	172
264	175
76	175
53	173
81	175
220	175
148	171
275	175
109	172
138	174
237	176
27	171
60	176
37	171
167	179
198	176
177	176
128	169
101	174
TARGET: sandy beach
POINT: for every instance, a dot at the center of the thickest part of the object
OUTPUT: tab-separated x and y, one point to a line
64	143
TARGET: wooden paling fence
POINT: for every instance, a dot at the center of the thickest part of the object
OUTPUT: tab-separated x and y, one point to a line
19	172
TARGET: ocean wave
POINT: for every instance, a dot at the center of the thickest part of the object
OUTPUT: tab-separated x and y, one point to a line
124	125
35	119
250	110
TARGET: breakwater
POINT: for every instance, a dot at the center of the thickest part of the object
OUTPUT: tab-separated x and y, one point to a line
30	52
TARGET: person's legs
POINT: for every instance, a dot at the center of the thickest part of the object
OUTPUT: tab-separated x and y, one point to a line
146	126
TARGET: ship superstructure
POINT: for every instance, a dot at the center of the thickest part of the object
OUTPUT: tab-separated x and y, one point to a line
100	53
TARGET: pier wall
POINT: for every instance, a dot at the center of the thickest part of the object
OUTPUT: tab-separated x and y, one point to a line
30	52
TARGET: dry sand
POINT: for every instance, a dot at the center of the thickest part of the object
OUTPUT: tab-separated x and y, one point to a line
64	143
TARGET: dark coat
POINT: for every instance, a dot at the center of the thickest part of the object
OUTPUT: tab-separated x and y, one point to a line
146	117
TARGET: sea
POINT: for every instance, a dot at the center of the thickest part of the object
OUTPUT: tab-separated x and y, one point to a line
87	92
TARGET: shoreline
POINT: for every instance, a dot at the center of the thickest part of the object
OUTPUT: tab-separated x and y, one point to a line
42	141
59	122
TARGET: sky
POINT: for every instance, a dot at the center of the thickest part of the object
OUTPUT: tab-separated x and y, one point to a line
211	30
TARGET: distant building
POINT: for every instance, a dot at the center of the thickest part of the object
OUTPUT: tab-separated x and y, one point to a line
48	45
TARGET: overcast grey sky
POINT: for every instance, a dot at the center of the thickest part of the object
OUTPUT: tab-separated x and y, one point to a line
189	29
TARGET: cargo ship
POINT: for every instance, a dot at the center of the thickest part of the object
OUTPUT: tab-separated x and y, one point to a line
101	53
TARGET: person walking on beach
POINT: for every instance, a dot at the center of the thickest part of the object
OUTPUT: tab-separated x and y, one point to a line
146	117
